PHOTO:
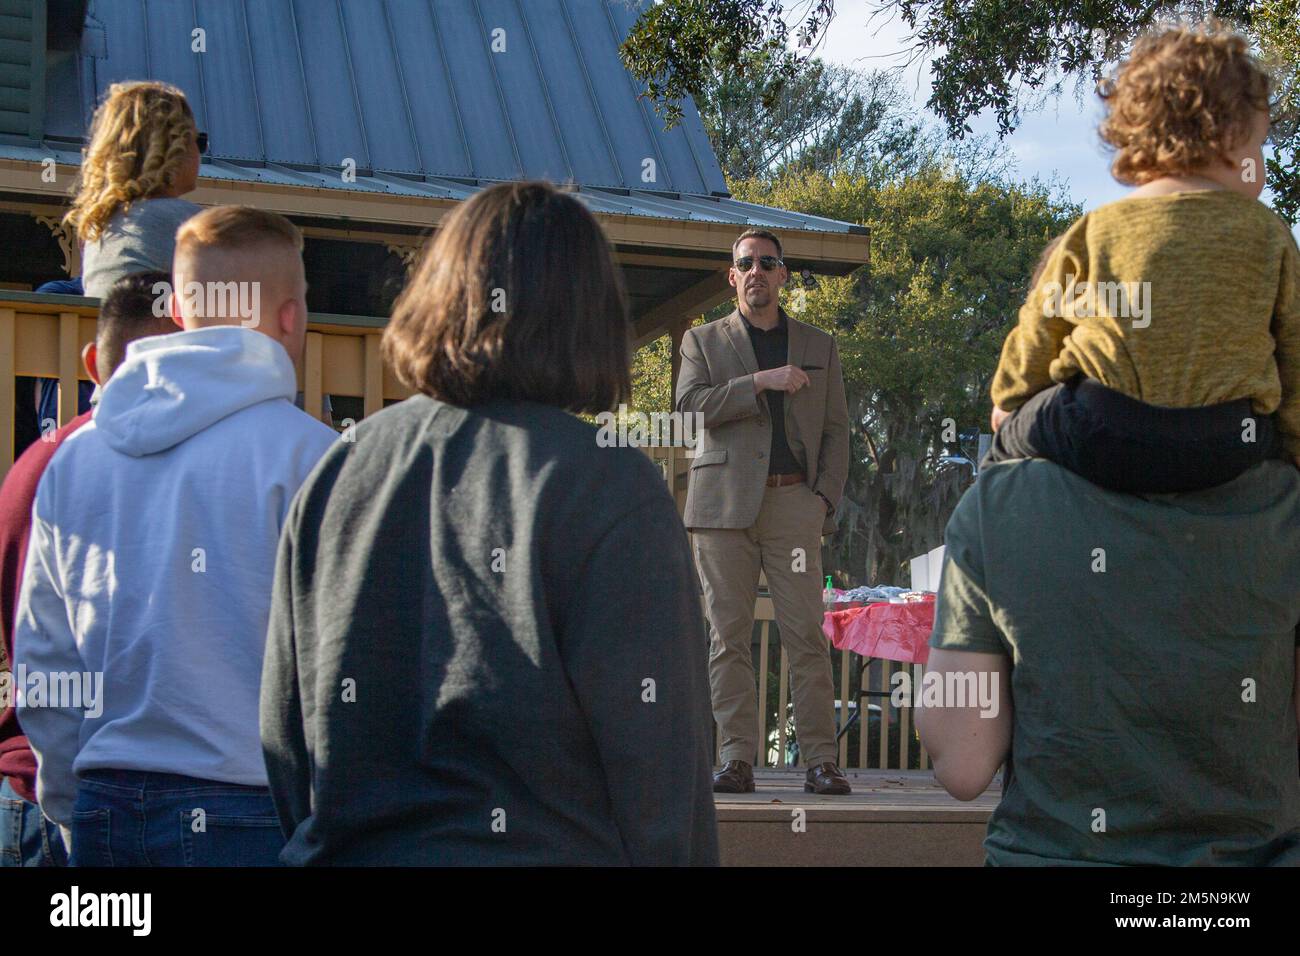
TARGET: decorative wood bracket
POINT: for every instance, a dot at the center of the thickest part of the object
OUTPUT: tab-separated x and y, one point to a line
67	241
409	253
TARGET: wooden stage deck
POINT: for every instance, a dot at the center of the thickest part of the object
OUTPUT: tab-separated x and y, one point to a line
892	818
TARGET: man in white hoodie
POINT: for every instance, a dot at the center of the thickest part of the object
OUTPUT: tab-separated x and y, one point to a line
143	610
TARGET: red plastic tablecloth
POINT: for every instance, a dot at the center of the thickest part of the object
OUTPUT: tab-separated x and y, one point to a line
896	632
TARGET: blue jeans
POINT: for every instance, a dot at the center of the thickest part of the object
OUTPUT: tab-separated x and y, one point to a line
133	818
26	837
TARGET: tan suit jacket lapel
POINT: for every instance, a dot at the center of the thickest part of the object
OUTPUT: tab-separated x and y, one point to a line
796	345
796	342
735	327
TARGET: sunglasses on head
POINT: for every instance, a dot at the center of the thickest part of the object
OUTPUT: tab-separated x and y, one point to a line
745	263
201	140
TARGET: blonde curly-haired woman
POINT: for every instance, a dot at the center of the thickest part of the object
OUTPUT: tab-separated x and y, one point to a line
143	155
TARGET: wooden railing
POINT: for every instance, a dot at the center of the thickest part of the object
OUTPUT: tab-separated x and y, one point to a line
42	336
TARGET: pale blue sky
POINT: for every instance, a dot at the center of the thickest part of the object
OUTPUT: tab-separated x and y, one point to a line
1058	140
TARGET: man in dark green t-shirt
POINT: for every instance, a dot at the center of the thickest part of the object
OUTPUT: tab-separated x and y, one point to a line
1141	657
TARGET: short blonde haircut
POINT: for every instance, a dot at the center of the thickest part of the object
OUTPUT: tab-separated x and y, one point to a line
139	138
234	228
1184	98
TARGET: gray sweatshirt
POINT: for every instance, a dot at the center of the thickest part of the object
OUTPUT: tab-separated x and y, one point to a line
141	239
486	647
194	448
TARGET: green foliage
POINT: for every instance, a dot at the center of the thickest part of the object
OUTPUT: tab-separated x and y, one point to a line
672	41
652	377
991	54
1277	25
826	115
1006	56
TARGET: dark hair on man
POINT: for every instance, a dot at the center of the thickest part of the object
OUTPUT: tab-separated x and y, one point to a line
128	313
516	297
757	234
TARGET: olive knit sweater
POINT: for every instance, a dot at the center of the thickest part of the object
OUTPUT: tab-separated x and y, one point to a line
1180	300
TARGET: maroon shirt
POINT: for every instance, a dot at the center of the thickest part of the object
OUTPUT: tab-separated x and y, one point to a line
17	762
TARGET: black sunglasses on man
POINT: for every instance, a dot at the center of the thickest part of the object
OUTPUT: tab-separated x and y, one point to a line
769	263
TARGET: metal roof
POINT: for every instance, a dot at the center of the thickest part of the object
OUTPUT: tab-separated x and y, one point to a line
476	89
429	98
631	202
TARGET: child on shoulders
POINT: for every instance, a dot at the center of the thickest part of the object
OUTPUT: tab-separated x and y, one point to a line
1159	347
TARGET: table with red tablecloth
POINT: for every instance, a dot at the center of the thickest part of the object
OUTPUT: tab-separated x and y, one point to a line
895	632
892	632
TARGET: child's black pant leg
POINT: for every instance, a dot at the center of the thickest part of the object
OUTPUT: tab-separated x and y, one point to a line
1123	444
1047	426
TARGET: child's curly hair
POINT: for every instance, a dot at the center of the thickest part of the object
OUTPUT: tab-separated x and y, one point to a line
140	136
1184	98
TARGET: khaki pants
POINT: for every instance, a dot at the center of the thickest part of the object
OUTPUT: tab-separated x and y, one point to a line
729	560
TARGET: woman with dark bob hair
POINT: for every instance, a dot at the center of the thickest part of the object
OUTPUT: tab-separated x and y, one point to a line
486	643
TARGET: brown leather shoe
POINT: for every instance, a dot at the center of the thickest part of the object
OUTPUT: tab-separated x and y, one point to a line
826	778
736	776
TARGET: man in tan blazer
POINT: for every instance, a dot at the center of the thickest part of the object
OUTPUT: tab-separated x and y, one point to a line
766	480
